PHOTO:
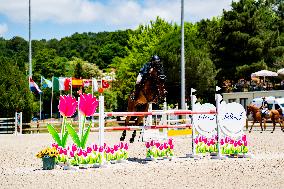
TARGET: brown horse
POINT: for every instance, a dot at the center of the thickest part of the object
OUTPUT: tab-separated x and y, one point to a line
274	115
151	91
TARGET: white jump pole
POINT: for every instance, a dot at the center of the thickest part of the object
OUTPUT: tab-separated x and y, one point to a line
193	136
164	120
21	122
218	101
101	124
16	124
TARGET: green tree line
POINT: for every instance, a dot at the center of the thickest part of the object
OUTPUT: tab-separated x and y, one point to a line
245	39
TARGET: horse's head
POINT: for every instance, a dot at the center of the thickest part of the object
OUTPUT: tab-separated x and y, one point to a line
252	109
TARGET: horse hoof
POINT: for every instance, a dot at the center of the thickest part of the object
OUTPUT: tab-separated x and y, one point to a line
131	140
260	131
271	131
250	131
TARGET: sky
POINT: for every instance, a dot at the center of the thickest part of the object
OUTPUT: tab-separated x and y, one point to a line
61	18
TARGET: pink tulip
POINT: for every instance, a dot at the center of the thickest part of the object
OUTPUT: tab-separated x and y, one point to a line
74	147
152	143
244	137
108	150
67	105
64	151
89	150
101	149
105	145
115	147
165	145
212	141
147	144
227	140
88	104
95	147
157	144
196	141
200	139
222	142
232	141
79	152
161	147
55	145
240	142
170	142
245	143
208	143
71	154
60	151
84	153
112	151
126	146
171	147
121	145
235	144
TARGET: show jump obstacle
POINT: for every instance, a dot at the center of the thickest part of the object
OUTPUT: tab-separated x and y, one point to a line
224	120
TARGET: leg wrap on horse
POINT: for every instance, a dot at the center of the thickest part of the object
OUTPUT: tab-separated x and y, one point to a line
133	137
122	138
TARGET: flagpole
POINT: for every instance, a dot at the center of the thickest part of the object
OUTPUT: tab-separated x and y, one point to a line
30	42
40	99
92	87
51	99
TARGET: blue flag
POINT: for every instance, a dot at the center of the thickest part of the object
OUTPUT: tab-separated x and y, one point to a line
45	83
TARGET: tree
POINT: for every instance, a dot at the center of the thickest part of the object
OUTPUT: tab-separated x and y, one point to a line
14	89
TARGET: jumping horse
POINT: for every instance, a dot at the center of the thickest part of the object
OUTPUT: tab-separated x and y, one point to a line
151	91
274	115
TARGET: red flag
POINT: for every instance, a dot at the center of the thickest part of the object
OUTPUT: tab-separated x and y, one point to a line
105	84
67	83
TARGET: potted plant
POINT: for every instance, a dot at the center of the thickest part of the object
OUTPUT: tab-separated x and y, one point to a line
48	156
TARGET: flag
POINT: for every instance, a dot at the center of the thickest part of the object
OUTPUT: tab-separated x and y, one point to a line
61	83
33	86
95	85
45	83
105	84
55	84
87	82
77	82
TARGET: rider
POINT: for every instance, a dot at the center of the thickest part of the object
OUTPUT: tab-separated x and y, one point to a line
144	70
264	106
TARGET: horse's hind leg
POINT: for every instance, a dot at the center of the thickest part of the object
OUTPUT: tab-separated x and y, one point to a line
123	135
133	137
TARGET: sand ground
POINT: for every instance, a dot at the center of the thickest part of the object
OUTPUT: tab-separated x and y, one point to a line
20	168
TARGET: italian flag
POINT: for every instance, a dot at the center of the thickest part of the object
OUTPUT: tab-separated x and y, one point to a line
61	83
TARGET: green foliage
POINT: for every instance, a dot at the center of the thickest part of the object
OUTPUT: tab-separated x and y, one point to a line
73	134
14	90
55	135
85	137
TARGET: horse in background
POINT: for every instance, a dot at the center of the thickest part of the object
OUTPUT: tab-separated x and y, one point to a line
151	91
274	115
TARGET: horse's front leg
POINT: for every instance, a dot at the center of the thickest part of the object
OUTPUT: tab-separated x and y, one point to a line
260	123
252	125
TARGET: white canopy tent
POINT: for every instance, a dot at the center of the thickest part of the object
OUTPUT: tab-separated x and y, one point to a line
264	73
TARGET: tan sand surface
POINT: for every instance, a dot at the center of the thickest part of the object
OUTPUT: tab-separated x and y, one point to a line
19	168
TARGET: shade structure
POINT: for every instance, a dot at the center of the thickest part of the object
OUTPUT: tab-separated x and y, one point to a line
264	73
281	72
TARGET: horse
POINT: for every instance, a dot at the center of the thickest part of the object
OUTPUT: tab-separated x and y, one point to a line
274	115
151	91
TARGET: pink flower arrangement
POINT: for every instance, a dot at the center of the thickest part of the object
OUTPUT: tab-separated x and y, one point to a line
92	154
156	149
228	145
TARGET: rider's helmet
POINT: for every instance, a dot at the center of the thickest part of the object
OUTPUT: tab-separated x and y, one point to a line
155	58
